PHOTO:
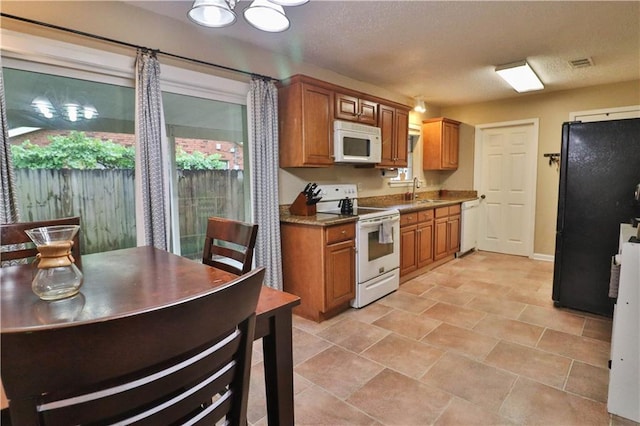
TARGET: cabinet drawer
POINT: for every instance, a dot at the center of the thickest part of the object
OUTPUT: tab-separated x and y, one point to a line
442	212
425	215
454	209
339	233
408	219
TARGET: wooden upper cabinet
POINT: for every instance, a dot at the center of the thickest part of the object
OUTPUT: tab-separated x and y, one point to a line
394	127
402	137
307	108
352	108
305	122
440	138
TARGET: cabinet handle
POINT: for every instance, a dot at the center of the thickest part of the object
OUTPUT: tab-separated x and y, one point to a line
344	232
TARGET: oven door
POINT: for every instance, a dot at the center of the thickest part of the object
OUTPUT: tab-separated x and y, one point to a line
376	258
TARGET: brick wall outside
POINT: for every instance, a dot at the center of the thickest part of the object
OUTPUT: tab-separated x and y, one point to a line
229	151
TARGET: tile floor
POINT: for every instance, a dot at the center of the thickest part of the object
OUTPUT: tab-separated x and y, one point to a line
476	341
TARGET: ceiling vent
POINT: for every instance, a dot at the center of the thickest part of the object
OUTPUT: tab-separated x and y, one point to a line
581	63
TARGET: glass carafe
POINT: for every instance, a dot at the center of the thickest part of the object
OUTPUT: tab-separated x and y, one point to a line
58	276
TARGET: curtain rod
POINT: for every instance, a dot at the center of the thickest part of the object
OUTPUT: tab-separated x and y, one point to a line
135	46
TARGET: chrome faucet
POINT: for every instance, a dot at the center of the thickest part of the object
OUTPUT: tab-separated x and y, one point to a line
415	185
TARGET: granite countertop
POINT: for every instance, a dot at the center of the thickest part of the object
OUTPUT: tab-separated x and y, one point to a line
422	201
397	201
416	205
319	219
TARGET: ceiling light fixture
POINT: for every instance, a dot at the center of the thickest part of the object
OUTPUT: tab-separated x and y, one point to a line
265	15
520	76
419	106
71	111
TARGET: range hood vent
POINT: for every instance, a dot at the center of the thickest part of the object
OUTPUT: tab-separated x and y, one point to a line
581	63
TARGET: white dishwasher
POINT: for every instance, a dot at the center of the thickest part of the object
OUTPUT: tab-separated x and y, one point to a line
468	226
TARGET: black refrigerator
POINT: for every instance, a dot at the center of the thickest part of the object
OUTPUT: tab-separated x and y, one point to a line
599	171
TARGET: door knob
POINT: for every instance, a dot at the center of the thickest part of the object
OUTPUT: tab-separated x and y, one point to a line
483	196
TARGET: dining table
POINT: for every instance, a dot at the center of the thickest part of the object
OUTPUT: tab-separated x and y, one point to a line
123	282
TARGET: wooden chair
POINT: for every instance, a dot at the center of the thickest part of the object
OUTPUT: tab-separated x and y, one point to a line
19	246
183	362
229	245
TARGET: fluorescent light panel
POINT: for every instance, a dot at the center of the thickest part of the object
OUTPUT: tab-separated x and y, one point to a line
520	76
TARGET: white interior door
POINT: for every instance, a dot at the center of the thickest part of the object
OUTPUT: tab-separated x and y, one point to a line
505	180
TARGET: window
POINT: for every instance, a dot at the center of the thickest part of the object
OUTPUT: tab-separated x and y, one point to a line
88	100
72	142
406	174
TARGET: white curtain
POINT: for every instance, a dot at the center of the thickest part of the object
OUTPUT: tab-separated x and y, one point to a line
263	128
9	209
152	160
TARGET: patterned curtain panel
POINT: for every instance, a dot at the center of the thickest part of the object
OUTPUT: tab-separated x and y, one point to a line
9	199
152	162
263	128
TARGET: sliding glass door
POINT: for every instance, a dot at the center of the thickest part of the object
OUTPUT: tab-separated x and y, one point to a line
210	166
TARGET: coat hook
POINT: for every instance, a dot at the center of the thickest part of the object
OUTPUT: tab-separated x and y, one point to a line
554	158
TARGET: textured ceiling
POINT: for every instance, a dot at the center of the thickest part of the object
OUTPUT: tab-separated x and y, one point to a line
446	52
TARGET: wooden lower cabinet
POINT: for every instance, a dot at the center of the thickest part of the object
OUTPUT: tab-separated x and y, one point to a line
319	266
428	237
425	243
340	274
416	240
447	231
440	239
408	254
453	233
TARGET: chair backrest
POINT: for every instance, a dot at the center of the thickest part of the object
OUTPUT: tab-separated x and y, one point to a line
229	245
16	244
188	361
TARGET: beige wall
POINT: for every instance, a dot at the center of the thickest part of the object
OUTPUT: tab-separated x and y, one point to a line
552	109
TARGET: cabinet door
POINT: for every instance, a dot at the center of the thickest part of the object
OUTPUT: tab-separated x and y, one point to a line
440	139
317	137
453	234
394	126
450	136
387	130
305	125
440	239
424	243
346	107
408	255
340	274
367	112
401	138
352	108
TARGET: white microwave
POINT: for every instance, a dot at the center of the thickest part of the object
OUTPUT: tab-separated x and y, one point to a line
356	143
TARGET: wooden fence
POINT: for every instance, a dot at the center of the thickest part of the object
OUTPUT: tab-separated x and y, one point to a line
104	199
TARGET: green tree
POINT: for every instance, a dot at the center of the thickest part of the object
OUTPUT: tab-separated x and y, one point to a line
75	151
78	151
197	161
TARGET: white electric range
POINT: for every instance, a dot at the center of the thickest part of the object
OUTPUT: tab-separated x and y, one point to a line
377	242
